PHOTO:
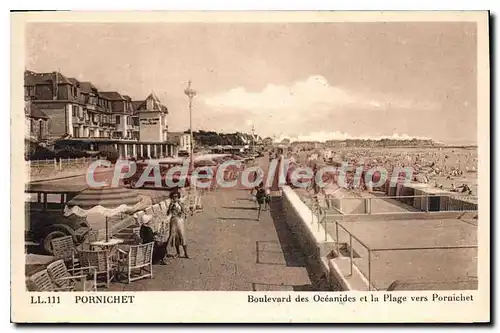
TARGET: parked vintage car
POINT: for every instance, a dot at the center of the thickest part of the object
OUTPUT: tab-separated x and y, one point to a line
48	225
46	221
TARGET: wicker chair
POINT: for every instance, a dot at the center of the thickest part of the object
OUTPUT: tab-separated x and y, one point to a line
64	248
76	279
136	235
41	281
156	209
163	208
101	261
139	260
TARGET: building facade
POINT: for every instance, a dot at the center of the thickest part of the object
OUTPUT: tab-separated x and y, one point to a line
57	97
78	109
66	108
36	123
152	119
183	140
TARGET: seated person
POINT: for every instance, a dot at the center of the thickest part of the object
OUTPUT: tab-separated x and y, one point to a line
149	236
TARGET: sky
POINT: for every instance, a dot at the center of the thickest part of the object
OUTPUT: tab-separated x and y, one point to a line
307	81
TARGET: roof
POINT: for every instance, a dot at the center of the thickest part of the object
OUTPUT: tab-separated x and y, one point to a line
87	87
106	140
177	134
127	97
136	104
32	78
74	81
157	105
112	95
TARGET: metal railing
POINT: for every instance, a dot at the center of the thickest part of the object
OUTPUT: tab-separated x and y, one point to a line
370	251
58	163
463	204
425	203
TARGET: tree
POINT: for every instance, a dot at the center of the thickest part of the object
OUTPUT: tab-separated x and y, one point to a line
110	153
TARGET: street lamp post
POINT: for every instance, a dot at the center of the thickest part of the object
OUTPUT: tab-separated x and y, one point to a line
190	93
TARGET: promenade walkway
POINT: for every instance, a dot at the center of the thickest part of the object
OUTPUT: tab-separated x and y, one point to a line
231	250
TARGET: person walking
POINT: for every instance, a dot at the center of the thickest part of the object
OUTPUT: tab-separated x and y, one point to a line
267	199
260	195
177	235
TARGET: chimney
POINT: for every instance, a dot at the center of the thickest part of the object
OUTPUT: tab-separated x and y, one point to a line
54	86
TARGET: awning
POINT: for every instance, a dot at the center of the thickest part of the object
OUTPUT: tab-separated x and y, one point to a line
108	201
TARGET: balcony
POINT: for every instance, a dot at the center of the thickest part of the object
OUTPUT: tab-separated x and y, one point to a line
103	109
78	120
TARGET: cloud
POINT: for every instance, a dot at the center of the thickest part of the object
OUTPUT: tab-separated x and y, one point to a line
313	93
325	136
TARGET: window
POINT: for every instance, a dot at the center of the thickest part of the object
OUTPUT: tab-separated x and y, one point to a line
76	132
29	92
117	120
74	112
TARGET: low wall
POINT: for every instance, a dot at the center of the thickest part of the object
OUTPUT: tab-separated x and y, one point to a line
316	244
53	169
348	203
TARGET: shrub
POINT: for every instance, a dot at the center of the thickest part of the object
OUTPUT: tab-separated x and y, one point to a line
70	153
109	153
41	153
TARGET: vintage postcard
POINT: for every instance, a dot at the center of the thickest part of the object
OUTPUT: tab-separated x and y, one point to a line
228	167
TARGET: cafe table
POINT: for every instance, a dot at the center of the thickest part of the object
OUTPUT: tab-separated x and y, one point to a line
111	246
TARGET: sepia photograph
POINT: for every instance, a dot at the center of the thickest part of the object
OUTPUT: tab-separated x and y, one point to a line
315	156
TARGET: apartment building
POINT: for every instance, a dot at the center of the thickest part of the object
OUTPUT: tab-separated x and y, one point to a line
121	112
59	107
183	140
77	109
94	119
55	96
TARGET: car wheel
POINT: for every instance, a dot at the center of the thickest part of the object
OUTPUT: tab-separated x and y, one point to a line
47	240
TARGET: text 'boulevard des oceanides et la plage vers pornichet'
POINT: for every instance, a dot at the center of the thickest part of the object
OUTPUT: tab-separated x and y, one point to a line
345	298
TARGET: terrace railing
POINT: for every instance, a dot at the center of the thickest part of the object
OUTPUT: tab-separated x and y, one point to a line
370	251
425	203
52	167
